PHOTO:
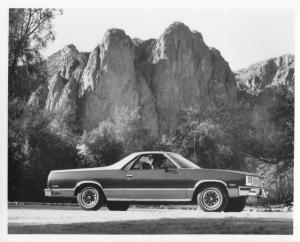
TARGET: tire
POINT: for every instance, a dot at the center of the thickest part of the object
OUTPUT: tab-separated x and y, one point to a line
90	198
235	204
212	198
117	206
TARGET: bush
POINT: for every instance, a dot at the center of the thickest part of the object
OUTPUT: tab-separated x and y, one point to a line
33	151
278	182
99	147
203	142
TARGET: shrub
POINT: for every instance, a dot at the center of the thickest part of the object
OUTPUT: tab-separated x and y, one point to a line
99	147
33	151
202	142
278	182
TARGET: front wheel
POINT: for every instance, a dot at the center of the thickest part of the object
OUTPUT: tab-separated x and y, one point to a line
117	206
90	198
212	199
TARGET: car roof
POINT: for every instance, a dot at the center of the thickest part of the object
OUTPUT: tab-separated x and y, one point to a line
152	152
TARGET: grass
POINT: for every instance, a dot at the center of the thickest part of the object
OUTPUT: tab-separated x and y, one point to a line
163	226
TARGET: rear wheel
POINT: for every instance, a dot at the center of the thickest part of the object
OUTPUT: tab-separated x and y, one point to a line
90	198
212	198
117	206
235	204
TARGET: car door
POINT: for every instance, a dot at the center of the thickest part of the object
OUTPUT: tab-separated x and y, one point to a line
153	177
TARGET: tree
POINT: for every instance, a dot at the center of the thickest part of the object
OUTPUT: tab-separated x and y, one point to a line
134	137
30	30
99	147
33	151
280	147
16	139
203	143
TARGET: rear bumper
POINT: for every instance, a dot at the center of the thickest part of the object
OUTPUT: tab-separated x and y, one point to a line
57	192
252	191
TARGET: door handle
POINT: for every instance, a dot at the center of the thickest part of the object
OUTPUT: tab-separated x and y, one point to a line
129	176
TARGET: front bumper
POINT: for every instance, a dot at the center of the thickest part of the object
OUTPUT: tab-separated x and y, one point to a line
59	192
252	191
244	191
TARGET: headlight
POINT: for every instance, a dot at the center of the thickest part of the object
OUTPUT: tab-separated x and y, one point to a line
253	181
249	180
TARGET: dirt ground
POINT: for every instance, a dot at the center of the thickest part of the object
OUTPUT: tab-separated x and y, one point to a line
45	219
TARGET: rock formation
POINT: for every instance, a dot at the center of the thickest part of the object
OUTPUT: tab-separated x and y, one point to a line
267	74
65	69
259	85
160	78
183	73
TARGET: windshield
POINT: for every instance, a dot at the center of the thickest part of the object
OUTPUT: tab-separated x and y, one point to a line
183	162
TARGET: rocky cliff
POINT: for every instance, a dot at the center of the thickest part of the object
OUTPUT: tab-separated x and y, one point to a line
271	73
158	77
261	84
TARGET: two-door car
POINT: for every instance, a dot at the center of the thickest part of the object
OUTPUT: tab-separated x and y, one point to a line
155	177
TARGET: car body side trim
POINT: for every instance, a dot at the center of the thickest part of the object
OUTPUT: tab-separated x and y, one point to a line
59	192
143	189
148	200
88	181
203	181
62	189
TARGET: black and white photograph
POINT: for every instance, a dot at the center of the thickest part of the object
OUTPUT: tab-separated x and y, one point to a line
149	120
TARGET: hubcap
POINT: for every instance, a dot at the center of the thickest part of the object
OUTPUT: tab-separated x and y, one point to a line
89	197
211	199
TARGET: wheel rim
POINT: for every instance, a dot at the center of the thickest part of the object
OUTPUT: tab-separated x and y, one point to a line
89	197
211	199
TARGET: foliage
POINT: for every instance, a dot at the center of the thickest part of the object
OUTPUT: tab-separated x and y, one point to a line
213	138
278	182
201	142
33	151
283	116
127	125
99	147
113	139
16	139
280	146
30	30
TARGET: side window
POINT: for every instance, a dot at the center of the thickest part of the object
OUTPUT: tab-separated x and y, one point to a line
143	163
162	162
129	164
151	161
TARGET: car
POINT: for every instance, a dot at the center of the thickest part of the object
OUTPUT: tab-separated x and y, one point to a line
155	177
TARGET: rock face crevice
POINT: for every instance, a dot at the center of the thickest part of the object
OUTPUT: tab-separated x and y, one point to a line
161	78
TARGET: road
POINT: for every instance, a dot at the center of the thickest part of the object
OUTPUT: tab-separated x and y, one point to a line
64	219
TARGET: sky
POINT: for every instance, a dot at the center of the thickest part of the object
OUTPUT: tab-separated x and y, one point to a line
242	36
